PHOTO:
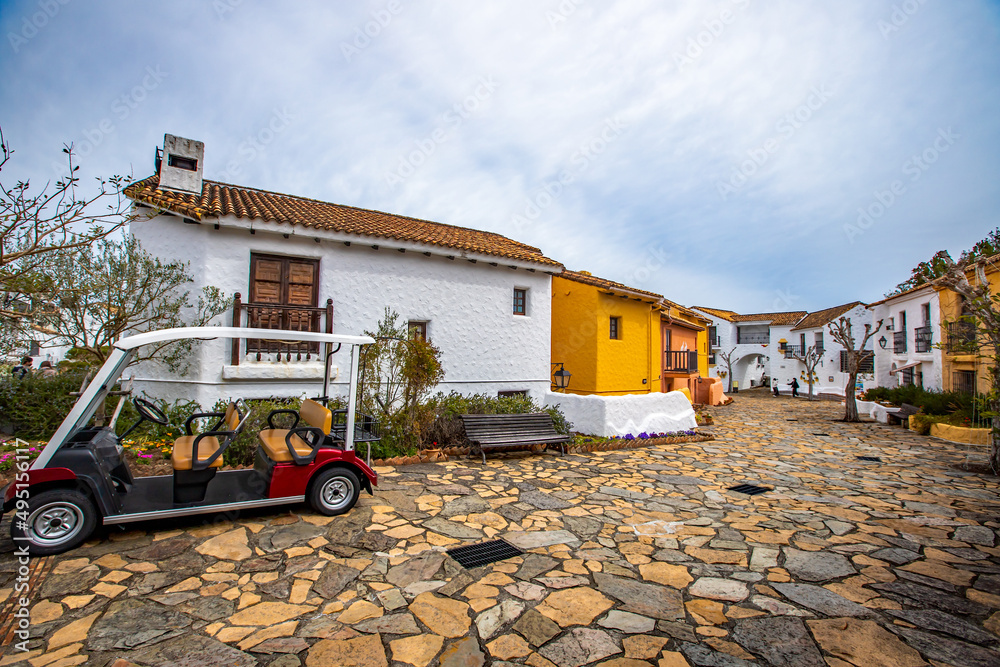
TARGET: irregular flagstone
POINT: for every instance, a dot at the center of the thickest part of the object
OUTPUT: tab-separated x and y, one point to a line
895	555
933	597
508	647
675	576
980	535
703	656
333	579
526	591
536	627
464	506
462	653
939	621
580	646
627	622
643	599
644	647
58	585
421	568
444	616
453	529
227	546
821	600
574	606
782	641
269	613
365	651
716	588
132	623
534	565
817	565
72	632
537	539
949	650
543	501
359	611
583	526
391	599
394	624
417	651
491	620
192	650
863	643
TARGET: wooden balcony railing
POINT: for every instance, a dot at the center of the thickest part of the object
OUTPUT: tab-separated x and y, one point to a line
680	361
277	316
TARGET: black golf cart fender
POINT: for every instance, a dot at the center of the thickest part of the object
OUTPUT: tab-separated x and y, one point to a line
31	482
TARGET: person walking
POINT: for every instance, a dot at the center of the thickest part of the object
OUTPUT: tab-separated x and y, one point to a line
795	388
24	369
46	369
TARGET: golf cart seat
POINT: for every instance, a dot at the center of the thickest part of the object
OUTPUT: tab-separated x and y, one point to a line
196	456
298	443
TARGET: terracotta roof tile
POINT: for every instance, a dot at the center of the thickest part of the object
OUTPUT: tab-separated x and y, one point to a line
727	315
776	319
823	317
220	199
587	279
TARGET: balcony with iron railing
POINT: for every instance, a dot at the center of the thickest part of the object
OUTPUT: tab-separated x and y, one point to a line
680	361
899	342
752	338
278	316
961	338
923	339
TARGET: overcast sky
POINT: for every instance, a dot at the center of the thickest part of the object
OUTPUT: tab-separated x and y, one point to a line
740	154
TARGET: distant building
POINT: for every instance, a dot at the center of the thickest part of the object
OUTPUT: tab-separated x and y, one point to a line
907	350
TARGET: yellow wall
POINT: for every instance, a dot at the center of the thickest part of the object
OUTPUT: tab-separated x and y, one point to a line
951	310
581	340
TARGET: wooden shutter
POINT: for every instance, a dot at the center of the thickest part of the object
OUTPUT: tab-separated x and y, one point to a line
284	282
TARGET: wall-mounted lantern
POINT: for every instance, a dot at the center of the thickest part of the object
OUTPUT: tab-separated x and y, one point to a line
882	342
560	377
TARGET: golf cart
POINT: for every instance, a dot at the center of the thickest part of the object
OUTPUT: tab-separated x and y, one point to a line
81	476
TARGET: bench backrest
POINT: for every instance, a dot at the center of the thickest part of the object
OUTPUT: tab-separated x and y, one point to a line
513	425
316	414
907	409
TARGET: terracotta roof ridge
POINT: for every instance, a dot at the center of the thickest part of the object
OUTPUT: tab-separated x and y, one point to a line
590	279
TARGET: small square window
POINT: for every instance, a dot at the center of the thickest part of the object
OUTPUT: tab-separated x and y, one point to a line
615	328
417	330
520	301
186	163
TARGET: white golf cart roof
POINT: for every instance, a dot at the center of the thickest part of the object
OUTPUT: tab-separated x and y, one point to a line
123	351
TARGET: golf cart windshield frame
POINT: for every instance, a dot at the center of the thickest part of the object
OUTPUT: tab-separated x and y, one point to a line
123	352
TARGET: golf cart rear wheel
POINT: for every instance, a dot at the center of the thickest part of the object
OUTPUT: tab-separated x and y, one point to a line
58	520
334	491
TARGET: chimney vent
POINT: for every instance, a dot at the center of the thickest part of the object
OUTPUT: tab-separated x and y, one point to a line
181	166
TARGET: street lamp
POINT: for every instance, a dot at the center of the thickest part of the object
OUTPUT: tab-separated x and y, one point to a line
560	378
882	342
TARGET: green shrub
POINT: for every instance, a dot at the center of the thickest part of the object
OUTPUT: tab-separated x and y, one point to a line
447	431
33	407
929	402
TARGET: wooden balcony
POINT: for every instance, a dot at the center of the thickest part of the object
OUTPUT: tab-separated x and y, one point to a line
680	361
279	316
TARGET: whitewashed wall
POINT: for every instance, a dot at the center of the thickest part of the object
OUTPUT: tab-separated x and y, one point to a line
484	347
620	415
931	362
786	369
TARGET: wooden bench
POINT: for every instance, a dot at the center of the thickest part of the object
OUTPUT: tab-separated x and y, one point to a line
902	416
512	431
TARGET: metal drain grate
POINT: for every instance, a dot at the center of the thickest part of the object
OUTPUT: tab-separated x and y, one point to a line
476	555
874	459
749	489
791	420
825	435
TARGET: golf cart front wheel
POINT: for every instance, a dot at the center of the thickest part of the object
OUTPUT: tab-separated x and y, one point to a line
334	491
57	520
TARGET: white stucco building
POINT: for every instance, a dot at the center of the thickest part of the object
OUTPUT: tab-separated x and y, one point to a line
907	351
484	300
765	344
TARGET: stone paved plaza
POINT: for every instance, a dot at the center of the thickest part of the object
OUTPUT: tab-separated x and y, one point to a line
637	557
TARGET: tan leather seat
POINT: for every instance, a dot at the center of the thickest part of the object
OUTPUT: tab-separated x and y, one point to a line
182	457
274	440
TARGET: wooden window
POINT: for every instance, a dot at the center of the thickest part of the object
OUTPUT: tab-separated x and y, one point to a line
615	328
417	330
520	301
513	393
284	292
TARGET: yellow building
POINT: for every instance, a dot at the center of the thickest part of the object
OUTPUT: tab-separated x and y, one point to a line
616	339
965	362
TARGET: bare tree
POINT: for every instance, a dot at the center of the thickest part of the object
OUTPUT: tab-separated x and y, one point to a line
843	333
728	358
810	359
982	306
35	225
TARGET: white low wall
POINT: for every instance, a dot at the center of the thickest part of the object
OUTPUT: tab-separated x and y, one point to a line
620	415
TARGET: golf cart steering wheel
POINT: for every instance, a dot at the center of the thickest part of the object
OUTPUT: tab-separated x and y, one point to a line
149	411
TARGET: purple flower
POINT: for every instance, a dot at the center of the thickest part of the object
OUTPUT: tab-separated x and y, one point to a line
629	436
643	436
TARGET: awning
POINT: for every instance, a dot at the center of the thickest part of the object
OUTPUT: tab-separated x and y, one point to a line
906	367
